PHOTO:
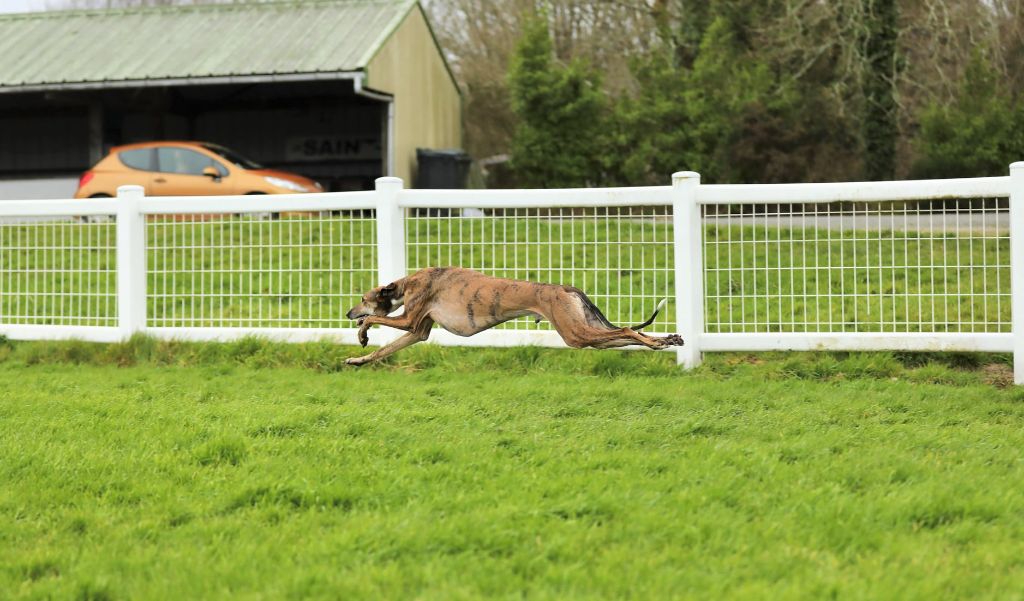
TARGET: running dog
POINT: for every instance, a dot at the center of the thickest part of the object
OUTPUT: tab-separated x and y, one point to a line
466	302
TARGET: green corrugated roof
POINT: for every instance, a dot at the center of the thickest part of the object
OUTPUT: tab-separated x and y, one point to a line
265	38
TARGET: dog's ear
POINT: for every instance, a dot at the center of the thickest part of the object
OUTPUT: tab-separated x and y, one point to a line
388	291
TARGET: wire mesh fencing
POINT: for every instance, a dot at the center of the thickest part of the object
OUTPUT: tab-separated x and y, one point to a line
929	266
58	271
302	270
933	267
621	257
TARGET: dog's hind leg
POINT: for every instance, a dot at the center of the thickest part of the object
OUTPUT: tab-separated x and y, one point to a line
421	333
604	339
571	323
628	336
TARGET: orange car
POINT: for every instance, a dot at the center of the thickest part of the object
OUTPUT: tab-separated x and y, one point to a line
186	169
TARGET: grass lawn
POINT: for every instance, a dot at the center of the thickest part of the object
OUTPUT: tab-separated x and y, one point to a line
250	470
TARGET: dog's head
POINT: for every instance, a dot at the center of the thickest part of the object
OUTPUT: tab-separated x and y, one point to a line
379	301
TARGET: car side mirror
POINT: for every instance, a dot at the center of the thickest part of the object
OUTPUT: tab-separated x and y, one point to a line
212	173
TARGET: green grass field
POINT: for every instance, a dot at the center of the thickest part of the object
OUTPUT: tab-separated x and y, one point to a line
251	470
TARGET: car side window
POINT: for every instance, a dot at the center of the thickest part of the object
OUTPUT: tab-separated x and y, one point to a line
141	159
185	161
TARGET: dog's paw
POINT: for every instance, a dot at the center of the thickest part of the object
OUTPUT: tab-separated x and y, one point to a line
674	340
363	336
353	361
670	341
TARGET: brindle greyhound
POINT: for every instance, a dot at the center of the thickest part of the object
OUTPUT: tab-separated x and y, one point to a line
466	302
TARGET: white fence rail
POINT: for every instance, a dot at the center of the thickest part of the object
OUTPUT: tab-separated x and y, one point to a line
911	265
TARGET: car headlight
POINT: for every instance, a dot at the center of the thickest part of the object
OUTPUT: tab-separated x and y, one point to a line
286	184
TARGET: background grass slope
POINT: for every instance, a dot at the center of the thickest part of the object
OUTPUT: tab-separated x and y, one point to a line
252	470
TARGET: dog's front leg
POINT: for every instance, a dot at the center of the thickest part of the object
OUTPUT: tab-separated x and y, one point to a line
402	322
421	333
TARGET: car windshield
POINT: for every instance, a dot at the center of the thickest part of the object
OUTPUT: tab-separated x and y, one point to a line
233	156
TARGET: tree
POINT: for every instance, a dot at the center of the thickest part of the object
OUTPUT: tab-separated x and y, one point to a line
652	130
880	119
480	37
979	134
560	109
688	118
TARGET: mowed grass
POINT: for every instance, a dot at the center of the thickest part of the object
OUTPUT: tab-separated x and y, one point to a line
160	470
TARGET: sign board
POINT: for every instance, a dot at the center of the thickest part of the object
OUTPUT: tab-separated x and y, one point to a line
333	148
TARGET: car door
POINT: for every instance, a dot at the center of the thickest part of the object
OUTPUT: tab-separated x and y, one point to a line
180	173
140	163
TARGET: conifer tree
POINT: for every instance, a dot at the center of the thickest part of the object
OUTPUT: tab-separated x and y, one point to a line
558	140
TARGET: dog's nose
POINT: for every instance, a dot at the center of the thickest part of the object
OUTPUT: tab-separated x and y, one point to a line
349	314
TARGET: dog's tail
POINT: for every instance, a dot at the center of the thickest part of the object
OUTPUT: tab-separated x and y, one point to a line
661	306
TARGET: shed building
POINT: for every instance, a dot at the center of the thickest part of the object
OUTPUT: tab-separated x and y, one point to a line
342	91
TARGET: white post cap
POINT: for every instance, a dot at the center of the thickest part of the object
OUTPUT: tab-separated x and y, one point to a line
129	190
685	175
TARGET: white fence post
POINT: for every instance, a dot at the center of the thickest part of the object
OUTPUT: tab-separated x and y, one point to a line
131	262
689	266
1017	268
390	231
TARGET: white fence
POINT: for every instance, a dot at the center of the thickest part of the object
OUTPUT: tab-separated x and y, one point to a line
912	265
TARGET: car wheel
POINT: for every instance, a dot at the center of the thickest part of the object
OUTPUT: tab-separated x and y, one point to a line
94	218
262	215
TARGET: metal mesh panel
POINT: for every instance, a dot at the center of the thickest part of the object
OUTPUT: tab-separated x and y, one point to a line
621	257
300	271
930	266
58	271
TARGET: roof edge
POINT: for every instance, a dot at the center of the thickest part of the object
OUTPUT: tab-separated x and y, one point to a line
172	8
368	58
187	81
387	33
440	50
